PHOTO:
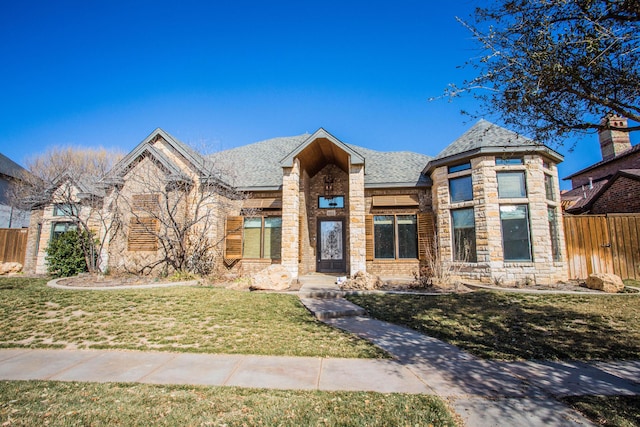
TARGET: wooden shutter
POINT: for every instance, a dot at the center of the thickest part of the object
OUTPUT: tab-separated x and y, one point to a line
143	234
396	200
426	232
233	237
368	230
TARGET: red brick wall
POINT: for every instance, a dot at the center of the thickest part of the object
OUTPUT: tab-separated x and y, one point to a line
623	196
631	161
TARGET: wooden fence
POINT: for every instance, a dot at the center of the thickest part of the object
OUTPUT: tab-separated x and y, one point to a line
603	244
13	244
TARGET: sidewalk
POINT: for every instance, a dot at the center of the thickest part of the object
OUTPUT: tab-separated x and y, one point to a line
483	393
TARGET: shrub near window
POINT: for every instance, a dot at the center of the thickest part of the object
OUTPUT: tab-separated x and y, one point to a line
65	256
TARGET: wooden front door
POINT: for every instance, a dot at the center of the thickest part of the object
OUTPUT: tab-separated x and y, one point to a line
331	246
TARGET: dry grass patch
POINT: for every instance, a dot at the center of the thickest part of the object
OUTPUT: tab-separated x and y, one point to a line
497	325
30	403
614	411
192	319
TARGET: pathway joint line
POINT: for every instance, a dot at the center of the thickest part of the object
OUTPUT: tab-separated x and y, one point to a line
21	352
235	369
75	365
319	373
157	368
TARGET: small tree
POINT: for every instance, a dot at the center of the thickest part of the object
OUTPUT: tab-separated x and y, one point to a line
70	178
65	254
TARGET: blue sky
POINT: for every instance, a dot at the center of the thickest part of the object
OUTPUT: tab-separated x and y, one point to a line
226	73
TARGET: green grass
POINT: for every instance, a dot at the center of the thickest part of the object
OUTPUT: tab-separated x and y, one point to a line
190	319
614	411
30	403
510	326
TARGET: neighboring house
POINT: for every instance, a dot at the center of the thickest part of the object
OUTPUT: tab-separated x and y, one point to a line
10	174
488	205
611	185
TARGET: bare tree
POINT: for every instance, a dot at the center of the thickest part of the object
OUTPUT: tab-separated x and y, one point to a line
554	68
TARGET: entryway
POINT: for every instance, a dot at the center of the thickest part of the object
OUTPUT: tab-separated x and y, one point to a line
330	251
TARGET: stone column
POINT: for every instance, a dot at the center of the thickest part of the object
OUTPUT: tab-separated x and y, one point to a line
291	217
357	238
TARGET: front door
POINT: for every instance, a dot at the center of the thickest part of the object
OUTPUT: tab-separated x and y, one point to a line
330	251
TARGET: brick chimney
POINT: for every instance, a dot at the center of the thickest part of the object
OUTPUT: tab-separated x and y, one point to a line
613	141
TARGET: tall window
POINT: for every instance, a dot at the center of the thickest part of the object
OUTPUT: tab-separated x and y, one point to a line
262	237
548	187
516	240
553	232
385	230
464	235
511	185
461	189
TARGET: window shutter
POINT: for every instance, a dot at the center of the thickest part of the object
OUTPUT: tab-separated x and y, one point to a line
233	237
426	232
368	230
143	234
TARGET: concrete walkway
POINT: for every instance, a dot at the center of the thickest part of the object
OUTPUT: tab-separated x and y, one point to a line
483	393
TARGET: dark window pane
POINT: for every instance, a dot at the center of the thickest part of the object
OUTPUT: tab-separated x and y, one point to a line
553	232
383	234
461	167
461	189
464	235
272	237
515	233
60	228
511	185
407	236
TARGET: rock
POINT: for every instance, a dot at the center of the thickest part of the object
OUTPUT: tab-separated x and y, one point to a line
273	278
363	281
10	267
605	282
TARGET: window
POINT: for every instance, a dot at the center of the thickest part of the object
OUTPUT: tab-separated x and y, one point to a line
549	187
510	161
385	230
515	232
262	237
461	189
511	185
553	233
65	209
59	228
464	235
331	202
460	167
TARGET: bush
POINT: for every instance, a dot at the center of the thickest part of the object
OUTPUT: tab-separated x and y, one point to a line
65	256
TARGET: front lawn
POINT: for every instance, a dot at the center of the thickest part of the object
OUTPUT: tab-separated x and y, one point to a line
32	403
615	411
509	326
191	319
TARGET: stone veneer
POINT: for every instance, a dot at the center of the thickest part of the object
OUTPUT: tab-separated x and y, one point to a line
357	238
291	217
490	265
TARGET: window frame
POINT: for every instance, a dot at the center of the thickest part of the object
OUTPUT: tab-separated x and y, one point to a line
328	198
460	180
459	167
65	209
262	236
510	161
454	253
70	225
396	239
528	233
523	174
549	187
554	233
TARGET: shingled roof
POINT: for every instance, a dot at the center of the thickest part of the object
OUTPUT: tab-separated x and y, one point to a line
10	168
488	138
258	166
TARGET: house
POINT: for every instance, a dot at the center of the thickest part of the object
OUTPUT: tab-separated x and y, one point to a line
10	174
611	185
488	206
